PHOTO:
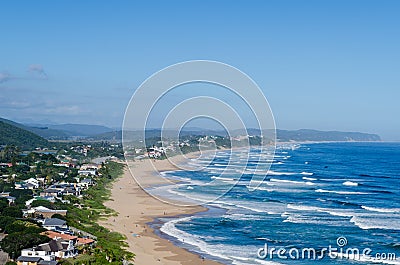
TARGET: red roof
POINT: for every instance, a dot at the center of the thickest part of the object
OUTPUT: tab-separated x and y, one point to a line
84	241
53	235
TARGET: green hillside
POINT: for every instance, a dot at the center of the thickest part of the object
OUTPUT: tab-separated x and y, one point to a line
13	135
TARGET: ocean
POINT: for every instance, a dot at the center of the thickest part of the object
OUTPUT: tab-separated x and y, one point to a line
324	203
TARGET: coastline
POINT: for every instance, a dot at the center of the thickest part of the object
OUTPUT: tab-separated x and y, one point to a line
136	209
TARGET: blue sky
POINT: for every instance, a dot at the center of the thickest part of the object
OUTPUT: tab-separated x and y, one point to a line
329	65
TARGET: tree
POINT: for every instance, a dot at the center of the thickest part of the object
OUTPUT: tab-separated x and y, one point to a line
22	196
13	212
44	203
5	220
59	216
23	226
15	242
3	204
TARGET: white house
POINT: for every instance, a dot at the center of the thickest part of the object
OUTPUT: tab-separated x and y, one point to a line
28	184
85	183
55	249
33	182
87	172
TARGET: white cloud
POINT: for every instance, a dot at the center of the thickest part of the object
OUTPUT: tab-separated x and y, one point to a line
38	70
66	110
4	77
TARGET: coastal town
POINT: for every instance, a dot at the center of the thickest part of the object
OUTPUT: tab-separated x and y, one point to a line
50	202
52	199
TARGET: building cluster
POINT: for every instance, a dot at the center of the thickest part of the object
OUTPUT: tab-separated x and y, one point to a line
63	244
66	242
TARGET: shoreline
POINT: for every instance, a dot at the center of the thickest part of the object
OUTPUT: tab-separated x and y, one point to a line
137	210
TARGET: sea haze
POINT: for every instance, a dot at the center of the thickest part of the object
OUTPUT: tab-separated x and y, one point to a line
313	194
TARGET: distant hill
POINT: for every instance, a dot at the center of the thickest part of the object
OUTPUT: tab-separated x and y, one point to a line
80	129
50	134
62	131
322	136
41	130
107	136
302	135
12	133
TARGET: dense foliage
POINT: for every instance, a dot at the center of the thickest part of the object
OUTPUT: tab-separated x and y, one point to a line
12	135
15	242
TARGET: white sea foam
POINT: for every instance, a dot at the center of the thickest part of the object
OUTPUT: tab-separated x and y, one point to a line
375	222
307	173
307	178
381	210
169	228
297	219
350	183
335	212
250	208
292	181
303	207
341	192
264	188
224	179
363	221
243	217
276	173
191	198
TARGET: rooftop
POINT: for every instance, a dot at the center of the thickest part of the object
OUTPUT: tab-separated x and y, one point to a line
54	222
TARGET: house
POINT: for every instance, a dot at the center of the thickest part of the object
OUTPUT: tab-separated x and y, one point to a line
20	185
50	192
56	235
87	172
76	240
70	191
27	184
54	223
86	183
61	189
6	195
42	212
50	262
62	235
40	198
85	242
55	249
5	165
4	177
34	182
89	167
28	260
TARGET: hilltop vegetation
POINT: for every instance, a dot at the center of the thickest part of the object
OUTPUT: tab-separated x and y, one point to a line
13	135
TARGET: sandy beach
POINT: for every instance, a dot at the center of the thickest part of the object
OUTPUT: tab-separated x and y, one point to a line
136	208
